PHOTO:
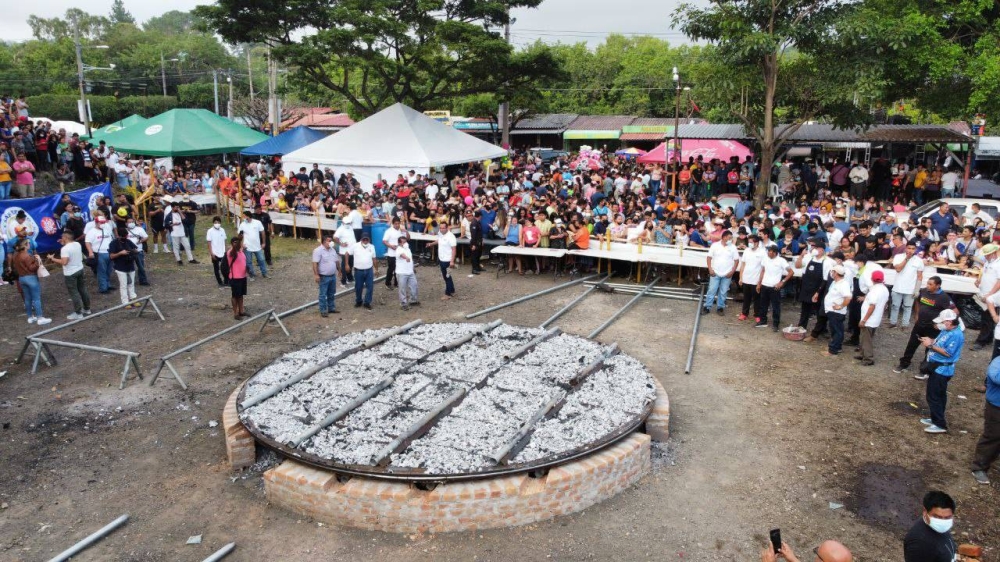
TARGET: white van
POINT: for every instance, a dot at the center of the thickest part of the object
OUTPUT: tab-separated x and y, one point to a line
958	205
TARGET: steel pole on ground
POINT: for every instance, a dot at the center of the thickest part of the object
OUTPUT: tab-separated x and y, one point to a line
624	309
98	535
694	333
221	553
572	303
531	296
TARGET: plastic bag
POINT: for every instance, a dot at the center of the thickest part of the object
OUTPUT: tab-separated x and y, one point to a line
969	311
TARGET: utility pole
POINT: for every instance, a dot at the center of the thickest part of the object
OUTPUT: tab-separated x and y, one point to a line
163	74
249	72
273	111
215	88
229	102
677	129
505	106
79	72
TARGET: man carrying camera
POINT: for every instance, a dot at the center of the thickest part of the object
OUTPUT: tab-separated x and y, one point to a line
123	255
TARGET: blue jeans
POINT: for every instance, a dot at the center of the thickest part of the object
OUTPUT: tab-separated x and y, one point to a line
718	288
140	268
449	285
5	189
103	272
32	295
259	256
835	322
327	292
364	279
937	396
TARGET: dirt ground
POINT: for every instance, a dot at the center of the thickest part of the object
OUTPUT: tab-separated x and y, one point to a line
765	434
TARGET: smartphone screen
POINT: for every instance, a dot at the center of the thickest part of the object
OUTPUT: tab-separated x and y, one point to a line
776	540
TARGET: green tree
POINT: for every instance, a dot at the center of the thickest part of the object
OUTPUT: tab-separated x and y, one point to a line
119	14
782	58
371	53
89	25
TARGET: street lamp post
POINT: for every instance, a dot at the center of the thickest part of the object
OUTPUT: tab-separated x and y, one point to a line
677	122
163	71
80	69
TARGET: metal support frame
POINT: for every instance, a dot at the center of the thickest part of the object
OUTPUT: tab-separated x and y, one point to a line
531	296
42	349
573	303
221	553
311	304
694	333
148	299
165	360
624	309
91	539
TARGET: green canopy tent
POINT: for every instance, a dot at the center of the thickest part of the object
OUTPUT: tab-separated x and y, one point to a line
184	132
99	134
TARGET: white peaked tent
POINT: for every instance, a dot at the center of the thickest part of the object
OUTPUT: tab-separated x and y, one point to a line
393	141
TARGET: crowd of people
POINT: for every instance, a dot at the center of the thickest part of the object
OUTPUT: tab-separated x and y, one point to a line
825	240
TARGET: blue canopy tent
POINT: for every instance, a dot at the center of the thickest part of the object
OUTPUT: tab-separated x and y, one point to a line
290	140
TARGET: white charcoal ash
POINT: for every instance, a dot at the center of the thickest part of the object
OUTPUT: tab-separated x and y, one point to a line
515	406
326	349
396	347
523	378
433	395
470	436
282	417
348	447
368	414
274	373
323	397
402	388
439	459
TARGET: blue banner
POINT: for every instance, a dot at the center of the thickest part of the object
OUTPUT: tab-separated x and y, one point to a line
43	225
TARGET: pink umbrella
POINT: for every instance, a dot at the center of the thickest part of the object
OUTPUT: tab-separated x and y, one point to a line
692	148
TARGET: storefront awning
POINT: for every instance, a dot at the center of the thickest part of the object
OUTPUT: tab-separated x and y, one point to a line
642	136
592	134
988	148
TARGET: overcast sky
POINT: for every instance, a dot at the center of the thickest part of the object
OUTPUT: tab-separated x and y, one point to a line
567	21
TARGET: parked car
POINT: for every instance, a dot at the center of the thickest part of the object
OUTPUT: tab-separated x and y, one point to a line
548	154
958	205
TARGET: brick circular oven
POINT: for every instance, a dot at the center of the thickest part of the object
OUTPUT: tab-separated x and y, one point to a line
447	427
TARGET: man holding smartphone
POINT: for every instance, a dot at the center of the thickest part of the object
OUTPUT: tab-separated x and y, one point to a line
827	551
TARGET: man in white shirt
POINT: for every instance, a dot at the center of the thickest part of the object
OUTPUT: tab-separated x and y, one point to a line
976	212
355	219
909	277
404	272
174	222
365	267
390	239
216	238
751	270
446	244
722	260
988	285
71	260
138	236
949	181
872	310
835	303
252	231
775	272
344	236
98	240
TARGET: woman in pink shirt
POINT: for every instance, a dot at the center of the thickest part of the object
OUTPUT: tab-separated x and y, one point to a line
237	276
25	178
531	236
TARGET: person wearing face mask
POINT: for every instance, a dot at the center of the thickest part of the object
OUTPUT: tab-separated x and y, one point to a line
122	253
751	270
137	235
722	261
324	266
365	269
835	303
929	540
814	280
98	240
404	273
943	352
216	239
